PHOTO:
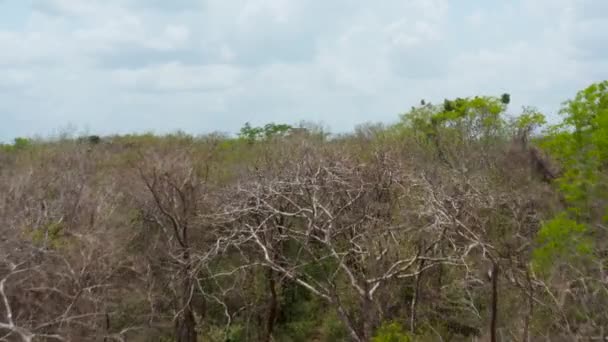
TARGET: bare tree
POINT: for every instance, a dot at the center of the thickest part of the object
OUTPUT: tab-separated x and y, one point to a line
342	217
175	201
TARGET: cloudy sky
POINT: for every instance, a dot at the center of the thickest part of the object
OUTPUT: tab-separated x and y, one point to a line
117	66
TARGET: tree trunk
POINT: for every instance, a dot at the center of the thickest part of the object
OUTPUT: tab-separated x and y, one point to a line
107	322
366	318
494	302
349	323
526	333
414	305
349	326
272	306
186	324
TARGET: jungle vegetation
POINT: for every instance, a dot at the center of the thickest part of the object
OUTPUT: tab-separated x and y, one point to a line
460	222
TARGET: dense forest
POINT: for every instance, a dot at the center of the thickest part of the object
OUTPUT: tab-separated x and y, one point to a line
460	222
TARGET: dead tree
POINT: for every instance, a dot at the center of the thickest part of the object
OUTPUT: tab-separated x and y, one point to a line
175	195
331	214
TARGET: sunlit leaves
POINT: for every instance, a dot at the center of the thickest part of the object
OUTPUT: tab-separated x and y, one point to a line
269	130
530	119
580	144
559	240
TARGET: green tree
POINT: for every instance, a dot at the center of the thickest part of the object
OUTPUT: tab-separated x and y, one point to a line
580	144
270	130
21	143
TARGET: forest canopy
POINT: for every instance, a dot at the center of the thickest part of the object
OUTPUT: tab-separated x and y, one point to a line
458	222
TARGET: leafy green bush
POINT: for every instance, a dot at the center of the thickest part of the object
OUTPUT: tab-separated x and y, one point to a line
269	130
560	239
391	332
21	143
50	234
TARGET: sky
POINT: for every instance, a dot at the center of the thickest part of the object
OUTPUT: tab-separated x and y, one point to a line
122	66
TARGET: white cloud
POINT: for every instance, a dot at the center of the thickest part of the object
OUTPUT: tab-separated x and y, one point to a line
14	79
119	65
176	77
476	18
254	11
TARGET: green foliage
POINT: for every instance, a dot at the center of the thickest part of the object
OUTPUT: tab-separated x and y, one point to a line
580	144
456	125
331	328
250	133
269	130
232	333
391	332
465	113
117	220
298	313
530	119
90	139
581	140
588	109
560	240
21	143
93	139
51	234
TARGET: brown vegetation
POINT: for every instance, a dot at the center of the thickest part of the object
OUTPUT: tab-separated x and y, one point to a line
293	237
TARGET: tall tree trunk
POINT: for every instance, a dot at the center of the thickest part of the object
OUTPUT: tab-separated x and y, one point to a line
494	302
186	324
366	318
107	322
348	322
530	297
272	305
414	306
